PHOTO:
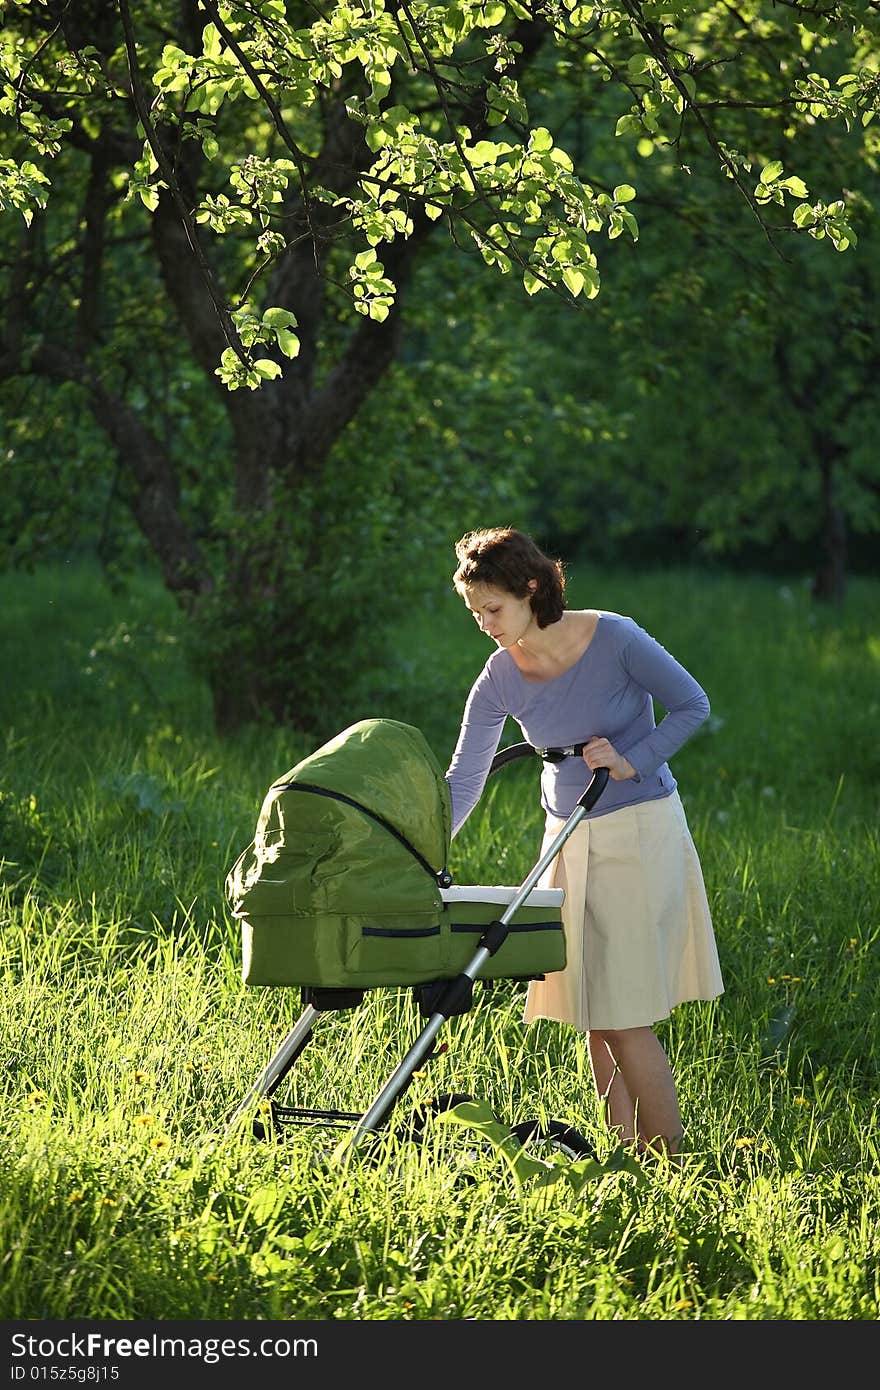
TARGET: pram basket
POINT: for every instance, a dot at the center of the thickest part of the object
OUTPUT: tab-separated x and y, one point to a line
345	888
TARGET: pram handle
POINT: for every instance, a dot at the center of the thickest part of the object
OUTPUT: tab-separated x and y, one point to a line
507	755
594	790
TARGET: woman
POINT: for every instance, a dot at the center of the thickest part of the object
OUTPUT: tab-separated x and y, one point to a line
638	930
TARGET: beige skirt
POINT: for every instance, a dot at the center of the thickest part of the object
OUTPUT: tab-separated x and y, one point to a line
638	930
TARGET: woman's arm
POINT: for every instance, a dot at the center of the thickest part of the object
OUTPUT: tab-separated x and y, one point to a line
685	701
478	739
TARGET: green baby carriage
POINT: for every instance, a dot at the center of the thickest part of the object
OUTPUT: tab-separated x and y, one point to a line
345	888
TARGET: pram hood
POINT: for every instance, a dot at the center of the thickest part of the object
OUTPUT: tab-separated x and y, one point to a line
388	768
362	825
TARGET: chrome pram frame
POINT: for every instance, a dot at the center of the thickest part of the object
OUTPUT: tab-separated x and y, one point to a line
438	1002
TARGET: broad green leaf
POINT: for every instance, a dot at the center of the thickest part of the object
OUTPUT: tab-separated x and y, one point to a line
624	193
795	186
279	318
381	83
770	172
484	152
574	280
211	41
267	368
288	342
628	125
540	140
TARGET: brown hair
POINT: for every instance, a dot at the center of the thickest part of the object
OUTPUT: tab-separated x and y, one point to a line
507	559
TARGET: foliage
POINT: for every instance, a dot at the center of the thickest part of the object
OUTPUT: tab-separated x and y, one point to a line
214	215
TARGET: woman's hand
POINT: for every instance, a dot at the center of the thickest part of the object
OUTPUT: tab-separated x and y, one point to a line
600	753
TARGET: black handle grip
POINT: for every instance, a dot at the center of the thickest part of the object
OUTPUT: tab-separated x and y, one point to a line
598	783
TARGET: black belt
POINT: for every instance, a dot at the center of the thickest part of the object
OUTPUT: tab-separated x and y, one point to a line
555	755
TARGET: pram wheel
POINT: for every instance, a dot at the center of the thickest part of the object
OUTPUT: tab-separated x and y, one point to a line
555	1135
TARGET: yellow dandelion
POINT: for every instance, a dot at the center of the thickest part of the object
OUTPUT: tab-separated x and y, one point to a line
139	1076
76	1197
145	1119
771	979
853	943
159	1142
796	980
801	1100
683	1303
744	1142
109	1202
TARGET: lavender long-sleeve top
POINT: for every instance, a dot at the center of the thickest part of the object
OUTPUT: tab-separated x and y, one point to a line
607	693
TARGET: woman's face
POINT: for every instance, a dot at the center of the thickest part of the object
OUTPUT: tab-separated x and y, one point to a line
500	615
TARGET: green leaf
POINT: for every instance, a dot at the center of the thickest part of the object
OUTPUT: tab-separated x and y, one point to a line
478	1115
381	84
628	125
624	193
540	140
267	368
211	41
770	172
574	280
795	186
279	318
484	152
288	342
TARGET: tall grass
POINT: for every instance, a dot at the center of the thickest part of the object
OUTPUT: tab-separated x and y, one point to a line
128	1036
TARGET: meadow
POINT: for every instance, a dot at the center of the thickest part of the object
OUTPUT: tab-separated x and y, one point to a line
128	1035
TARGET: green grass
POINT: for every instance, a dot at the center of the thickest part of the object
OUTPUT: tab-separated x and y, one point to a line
128	1035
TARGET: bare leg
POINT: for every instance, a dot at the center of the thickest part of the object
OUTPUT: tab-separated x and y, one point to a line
611	1088
648	1080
